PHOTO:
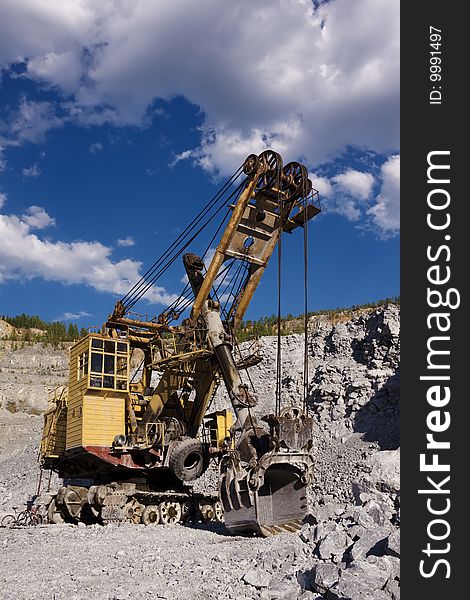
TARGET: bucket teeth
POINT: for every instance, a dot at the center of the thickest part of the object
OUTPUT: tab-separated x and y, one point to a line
290	526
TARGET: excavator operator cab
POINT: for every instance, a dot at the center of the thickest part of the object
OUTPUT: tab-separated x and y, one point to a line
105	363
98	384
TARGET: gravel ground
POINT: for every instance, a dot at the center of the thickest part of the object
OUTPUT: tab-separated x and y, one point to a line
65	562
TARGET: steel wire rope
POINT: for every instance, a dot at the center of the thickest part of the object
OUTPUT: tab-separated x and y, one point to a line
181	236
225	272
233	286
142	283
305	245
188	302
235	292
215	291
178	252
170	261
176	303
237	345
279	274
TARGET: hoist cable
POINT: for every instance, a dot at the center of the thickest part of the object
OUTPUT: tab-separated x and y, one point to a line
182	235
130	303
170	261
140	287
279	282
305	371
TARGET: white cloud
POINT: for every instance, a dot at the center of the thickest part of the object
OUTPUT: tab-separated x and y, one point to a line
386	211
37	218
70	316
351	194
346	193
321	184
96	147
33	171
126	242
30	122
355	183
308	81
24	255
3	199
182	156
63	69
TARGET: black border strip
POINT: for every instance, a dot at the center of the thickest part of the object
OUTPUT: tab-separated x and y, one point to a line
433	120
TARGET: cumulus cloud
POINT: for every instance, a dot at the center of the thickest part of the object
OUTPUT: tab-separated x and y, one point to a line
355	183
25	255
70	316
307	79
126	242
37	218
33	171
321	184
356	195
346	192
386	211
62	69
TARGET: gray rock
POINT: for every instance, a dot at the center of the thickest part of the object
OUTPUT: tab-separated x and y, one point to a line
333	546
389	564
385	474
325	528
324	576
361	517
257	578
392	587
379	511
362	581
373	541
307	533
393	543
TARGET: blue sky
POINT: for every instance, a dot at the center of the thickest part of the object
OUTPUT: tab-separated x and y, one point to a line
119	120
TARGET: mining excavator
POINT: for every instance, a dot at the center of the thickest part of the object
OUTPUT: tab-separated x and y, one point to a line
129	443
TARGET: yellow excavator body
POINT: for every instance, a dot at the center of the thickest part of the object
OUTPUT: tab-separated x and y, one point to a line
129	446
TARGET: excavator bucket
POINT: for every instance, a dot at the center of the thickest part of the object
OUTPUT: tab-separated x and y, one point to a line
269	493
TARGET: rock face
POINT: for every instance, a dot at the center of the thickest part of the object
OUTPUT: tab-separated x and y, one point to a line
353	391
27	373
354	375
5	329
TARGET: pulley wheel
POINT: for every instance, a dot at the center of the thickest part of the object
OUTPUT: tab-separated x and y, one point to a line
272	165
295	181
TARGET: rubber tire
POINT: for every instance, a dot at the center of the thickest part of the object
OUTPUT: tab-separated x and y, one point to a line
188	449
8	521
